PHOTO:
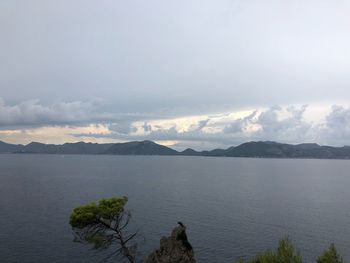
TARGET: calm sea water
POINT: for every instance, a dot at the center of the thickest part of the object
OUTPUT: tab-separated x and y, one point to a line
233	207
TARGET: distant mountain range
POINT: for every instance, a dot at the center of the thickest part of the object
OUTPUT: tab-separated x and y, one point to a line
261	149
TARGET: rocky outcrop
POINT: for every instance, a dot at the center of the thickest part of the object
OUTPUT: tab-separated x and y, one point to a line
173	249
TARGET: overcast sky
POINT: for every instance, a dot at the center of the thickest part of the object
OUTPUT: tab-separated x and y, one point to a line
199	74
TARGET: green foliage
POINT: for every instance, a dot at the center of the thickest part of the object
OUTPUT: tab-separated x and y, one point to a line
285	254
111	207
90	214
84	215
97	223
330	256
103	224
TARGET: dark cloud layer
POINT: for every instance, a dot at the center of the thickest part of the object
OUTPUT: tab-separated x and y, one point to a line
32	113
179	57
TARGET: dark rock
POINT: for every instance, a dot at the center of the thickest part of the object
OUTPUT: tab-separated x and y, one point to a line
173	249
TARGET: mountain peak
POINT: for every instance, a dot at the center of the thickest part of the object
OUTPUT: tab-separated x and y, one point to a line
140	148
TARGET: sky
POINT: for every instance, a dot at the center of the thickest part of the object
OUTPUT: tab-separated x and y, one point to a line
201	74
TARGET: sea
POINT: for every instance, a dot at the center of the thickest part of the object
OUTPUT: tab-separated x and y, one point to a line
233	208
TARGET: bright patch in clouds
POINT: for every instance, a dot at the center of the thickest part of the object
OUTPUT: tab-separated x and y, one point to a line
205	123
57	134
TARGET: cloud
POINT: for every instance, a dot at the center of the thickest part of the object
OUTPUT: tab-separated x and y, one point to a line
336	127
284	124
288	124
58	134
241	124
31	112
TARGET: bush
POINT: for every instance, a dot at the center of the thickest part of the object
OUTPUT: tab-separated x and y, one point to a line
285	254
330	256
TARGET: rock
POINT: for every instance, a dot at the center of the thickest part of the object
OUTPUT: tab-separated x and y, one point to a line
173	249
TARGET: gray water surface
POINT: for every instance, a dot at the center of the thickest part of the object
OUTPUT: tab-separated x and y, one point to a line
233	207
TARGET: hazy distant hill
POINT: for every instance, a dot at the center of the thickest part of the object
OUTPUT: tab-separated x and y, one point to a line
190	152
9	148
67	148
140	148
261	149
280	150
